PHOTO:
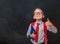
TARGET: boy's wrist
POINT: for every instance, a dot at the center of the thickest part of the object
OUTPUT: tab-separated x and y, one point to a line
52	26
32	36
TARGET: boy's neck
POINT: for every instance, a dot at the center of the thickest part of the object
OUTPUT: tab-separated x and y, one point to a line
38	21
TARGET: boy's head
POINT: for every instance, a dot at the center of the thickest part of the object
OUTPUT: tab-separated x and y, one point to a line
38	14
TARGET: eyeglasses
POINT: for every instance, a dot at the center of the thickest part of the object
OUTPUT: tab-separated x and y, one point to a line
38	13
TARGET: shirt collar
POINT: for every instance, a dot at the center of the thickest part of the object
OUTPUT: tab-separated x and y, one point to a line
40	22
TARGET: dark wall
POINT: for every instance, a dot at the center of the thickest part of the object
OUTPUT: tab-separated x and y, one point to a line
53	11
7	10
15	16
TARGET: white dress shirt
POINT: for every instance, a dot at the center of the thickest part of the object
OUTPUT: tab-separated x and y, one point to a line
41	32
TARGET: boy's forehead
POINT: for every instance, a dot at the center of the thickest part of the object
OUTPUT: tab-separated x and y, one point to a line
37	10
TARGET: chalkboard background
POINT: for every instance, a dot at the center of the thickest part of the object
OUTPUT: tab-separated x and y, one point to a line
16	15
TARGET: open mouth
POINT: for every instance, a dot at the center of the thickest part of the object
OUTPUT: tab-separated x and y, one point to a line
38	16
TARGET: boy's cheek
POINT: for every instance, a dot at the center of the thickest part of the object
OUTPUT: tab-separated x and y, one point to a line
34	17
38	17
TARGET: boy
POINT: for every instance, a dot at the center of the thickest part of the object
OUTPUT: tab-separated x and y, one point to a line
37	31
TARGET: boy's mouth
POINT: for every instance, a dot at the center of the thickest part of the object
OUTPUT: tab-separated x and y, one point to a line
38	16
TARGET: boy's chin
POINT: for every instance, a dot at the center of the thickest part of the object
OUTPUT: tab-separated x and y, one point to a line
38	19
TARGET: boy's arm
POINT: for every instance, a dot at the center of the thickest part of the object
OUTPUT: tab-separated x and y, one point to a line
51	27
28	32
54	30
29	35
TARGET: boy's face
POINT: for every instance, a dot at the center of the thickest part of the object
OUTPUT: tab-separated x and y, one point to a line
38	14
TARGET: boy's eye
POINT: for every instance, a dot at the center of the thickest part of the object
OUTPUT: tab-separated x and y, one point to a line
38	13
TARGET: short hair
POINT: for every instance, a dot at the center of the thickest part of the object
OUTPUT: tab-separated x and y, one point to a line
38	8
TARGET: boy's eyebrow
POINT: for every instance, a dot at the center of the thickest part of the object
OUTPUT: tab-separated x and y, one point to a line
38	12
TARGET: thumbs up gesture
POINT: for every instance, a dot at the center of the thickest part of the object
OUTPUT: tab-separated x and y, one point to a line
48	22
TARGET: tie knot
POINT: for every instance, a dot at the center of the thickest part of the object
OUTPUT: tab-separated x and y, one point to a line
38	24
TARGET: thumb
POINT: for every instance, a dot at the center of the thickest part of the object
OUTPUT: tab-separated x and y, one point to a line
48	19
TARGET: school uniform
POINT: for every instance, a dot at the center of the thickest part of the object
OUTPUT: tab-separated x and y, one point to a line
41	32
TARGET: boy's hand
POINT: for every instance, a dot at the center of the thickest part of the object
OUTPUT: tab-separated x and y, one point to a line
33	35
48	23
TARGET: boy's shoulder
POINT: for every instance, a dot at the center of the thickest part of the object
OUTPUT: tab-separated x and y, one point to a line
32	23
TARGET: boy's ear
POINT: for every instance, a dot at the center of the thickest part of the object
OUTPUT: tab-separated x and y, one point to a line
33	17
43	16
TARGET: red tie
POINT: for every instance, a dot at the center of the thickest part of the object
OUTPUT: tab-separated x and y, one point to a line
37	31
